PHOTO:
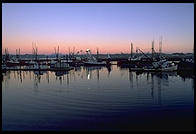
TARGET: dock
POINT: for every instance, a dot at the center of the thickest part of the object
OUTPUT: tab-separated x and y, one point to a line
27	69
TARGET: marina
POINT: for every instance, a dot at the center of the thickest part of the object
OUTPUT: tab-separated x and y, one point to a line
102	89
140	62
97	67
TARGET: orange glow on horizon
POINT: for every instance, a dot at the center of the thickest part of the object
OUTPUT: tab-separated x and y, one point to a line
105	46
109	48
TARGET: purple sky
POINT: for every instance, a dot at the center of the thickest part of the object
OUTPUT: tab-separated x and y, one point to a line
109	27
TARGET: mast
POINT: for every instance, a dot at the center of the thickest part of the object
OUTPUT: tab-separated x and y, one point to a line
160	46
6	55
55	52
16	54
131	49
152	49
97	53
69	52
36	52
136	50
58	52
19	54
73	51
33	51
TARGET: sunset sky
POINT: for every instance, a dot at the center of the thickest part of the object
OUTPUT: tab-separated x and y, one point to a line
109	27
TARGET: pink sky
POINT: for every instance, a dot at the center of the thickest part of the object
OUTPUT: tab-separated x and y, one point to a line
47	46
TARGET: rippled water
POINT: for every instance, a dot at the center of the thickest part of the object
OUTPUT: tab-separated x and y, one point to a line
97	98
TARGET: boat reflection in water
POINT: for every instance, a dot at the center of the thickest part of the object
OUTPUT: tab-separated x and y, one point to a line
91	69
97	98
61	73
162	80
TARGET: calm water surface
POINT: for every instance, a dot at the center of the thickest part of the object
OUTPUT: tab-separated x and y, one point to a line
97	98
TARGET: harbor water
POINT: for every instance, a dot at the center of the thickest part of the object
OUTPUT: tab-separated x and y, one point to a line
97	98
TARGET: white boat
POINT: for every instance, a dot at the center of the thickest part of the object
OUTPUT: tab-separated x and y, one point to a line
13	62
92	61
91	68
35	65
170	67
67	61
164	65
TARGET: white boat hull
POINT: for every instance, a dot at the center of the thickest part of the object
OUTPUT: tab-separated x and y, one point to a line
95	63
172	68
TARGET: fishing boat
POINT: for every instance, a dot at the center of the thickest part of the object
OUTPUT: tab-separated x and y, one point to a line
167	66
36	66
73	62
137	61
12	62
60	66
162	65
92	61
52	63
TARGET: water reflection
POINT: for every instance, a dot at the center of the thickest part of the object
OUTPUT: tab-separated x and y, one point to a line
162	79
6	78
131	78
124	97
61	73
90	72
186	75
109	68
159	89
37	79
152	85
48	77
93	70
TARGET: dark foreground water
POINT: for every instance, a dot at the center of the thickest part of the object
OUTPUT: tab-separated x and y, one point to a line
97	99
